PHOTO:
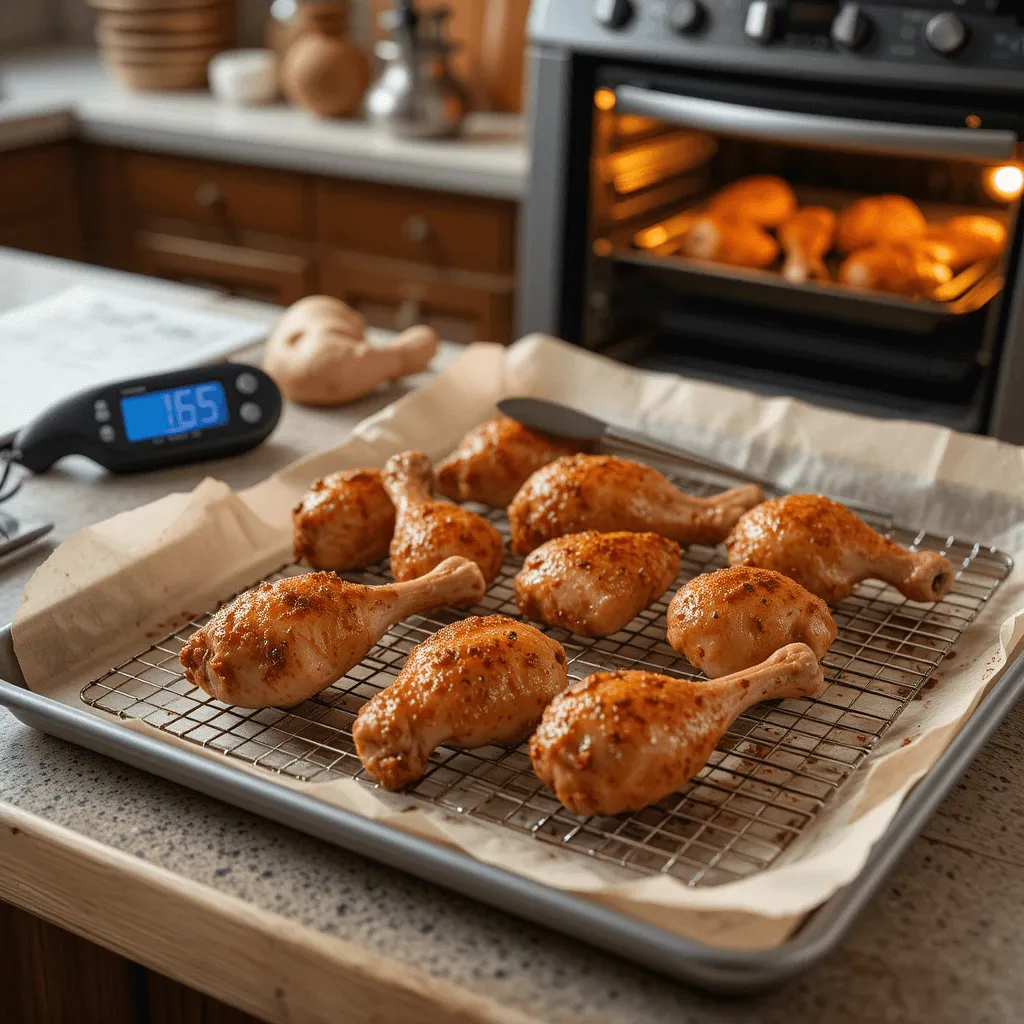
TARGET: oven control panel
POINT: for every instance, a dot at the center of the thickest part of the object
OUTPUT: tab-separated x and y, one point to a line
951	43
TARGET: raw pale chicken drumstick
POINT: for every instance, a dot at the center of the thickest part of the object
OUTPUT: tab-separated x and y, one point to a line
829	550
728	620
732	240
593	583
495	459
618	741
608	493
428	531
762	199
344	521
282	643
806	237
476	682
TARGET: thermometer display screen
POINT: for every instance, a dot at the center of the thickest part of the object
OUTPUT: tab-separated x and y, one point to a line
176	411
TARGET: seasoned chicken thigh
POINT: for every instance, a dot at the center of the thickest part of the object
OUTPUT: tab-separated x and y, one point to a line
428	531
762	199
494	460
728	620
618	741
593	583
829	550
607	493
344	521
282	643
476	682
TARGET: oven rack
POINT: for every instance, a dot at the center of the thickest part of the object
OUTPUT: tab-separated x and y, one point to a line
775	770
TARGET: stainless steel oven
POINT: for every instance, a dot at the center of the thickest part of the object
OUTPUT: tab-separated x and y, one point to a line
647	113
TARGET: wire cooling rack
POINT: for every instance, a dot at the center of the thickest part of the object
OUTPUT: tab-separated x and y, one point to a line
774	770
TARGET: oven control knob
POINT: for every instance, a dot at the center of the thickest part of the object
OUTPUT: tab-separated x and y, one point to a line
851	27
685	15
946	34
762	22
613	13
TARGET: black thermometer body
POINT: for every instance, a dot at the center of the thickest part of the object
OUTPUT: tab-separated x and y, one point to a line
205	412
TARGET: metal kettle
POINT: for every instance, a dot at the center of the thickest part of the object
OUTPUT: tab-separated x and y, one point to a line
416	96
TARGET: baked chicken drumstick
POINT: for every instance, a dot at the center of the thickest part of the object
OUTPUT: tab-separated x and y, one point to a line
806	237
282	643
593	583
879	220
476	682
618	741
762	199
608	493
494	460
344	521
428	531
728	620
732	240
827	549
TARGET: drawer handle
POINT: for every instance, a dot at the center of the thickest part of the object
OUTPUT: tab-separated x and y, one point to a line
209	195
417	229
408	314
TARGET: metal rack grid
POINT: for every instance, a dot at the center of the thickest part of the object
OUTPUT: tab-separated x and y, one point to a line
772	773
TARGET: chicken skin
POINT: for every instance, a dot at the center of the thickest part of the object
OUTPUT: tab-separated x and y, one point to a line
495	459
731	240
907	269
762	199
961	241
428	531
282	643
619	741
344	521
878	221
607	493
476	682
593	583
829	550
728	620
806	237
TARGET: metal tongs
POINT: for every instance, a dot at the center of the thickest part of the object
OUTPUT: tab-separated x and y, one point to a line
563	421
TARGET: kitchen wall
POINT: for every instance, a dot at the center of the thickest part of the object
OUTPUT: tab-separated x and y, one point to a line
24	22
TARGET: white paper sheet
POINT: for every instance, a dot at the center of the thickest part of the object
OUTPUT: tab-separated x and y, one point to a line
86	336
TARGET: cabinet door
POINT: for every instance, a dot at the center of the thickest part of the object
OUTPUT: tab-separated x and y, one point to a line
252	273
395	296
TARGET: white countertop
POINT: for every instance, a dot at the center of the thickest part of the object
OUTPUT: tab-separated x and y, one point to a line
59	93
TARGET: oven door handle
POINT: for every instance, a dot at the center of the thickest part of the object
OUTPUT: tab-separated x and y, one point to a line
975	144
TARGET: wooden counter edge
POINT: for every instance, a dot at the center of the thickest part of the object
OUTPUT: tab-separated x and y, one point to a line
255	960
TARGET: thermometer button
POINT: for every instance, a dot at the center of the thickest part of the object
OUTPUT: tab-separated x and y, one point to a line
247	384
251	412
107	433
101	411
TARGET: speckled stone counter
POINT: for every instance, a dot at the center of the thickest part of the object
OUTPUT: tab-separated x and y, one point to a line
942	942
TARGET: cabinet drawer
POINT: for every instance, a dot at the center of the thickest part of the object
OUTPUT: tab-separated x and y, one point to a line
411	224
283	278
395	297
36	180
232	198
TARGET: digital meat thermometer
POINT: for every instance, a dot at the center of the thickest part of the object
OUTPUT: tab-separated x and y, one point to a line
207	412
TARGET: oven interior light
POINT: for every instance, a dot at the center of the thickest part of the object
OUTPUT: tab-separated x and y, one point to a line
604	99
1005	182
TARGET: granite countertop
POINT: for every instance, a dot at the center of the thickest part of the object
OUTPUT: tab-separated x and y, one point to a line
60	93
941	943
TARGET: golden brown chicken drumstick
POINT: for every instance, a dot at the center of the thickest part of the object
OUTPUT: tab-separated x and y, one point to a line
282	643
806	237
429	531
495	459
728	620
593	583
960	241
724	239
344	521
906	269
476	682
608	493
762	199
878	220
618	741
829	550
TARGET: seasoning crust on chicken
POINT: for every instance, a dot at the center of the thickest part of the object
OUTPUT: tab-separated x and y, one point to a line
593	584
474	683
728	620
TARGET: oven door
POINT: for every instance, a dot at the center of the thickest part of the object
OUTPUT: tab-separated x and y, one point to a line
688	264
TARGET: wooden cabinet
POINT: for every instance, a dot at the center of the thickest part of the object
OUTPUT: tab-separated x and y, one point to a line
39	200
399	255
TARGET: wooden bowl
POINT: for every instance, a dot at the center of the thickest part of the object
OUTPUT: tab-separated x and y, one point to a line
201	19
120	39
171	76
149	6
149	57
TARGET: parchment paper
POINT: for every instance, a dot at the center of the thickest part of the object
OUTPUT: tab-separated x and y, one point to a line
110	590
